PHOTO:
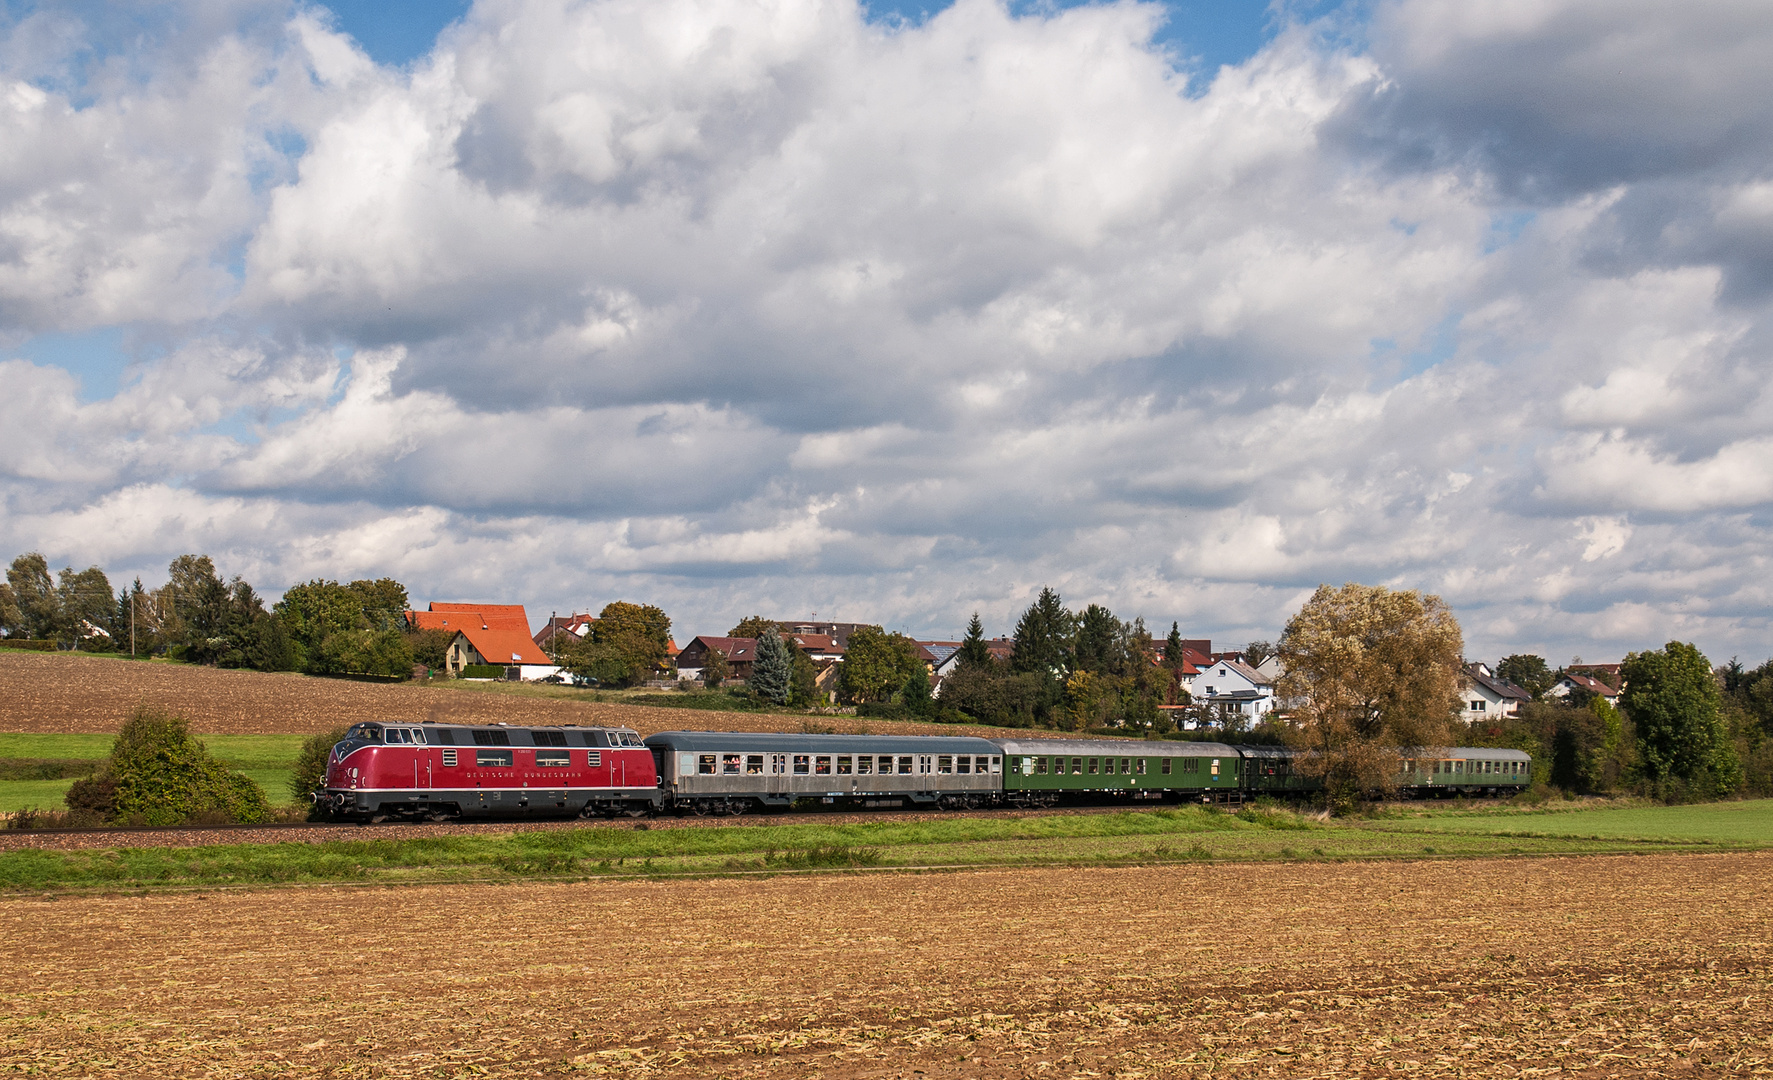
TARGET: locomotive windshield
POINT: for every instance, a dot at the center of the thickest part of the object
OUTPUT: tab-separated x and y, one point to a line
364	733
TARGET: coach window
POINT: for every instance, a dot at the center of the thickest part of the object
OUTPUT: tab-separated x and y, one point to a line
823	765
705	764
996	765
1093	766
844	765
1139	766
803	763
1040	766
905	765
886	764
1126	766
1166	767
864	765
1077	766
963	764
729	764
754	764
945	763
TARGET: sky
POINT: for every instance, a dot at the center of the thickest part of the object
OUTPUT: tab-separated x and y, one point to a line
897	312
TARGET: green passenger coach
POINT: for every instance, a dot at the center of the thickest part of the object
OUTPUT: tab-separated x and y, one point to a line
1038	772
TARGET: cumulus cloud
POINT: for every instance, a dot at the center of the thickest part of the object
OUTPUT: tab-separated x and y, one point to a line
748	307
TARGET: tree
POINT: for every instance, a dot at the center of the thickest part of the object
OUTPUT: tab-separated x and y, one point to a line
715	669
34	597
336	629
1368	671
1043	637
1672	700
804	687
11	618
1527	672
877	664
1173	648
974	652
755	626
1098	645
627	644
772	673
1257	653
85	604
915	695
310	770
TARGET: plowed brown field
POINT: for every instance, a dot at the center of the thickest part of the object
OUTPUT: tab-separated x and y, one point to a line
64	693
1638	966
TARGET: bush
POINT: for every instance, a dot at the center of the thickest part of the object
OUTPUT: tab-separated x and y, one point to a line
310	769
96	794
161	775
27	644
481	671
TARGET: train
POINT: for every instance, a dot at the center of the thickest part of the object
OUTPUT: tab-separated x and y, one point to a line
437	772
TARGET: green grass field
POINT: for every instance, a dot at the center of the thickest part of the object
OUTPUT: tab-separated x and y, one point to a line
268	759
1190	834
1749	822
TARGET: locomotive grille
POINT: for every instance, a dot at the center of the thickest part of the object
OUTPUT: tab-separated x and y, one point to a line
594	759
449	759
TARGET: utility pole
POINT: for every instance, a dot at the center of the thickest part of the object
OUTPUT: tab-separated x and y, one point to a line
132	596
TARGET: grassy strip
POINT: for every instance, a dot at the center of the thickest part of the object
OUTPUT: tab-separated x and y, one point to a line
238	751
1747	822
33	795
1169	835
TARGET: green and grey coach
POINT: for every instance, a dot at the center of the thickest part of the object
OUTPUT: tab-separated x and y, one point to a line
1040	771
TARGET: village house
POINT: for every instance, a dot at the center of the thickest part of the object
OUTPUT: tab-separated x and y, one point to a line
487	634
1233	687
1486	694
740	653
1573	683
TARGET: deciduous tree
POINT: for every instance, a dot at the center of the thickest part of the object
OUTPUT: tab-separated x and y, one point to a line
876	665
755	626
1672	699
1526	671
627	644
34	597
1369	670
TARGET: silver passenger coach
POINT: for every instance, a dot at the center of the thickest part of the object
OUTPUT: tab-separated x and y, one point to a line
715	772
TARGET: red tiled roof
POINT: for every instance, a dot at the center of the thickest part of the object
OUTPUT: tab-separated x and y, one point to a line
503	645
461	616
1593	686
734	648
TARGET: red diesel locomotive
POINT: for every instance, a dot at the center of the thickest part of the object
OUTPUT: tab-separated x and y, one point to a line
436	772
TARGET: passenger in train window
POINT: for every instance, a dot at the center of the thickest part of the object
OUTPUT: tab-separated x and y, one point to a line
729	764
823	766
944	763
844	765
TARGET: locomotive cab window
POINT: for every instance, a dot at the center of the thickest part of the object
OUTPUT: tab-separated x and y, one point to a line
553	759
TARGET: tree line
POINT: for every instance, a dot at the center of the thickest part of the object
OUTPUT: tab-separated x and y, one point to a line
321	627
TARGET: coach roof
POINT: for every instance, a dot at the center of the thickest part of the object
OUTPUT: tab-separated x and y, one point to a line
1113	748
766	743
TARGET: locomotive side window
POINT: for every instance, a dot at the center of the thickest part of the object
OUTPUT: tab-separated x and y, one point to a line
493	759
705	764
553	759
729	764
844	765
945	763
449	759
803	763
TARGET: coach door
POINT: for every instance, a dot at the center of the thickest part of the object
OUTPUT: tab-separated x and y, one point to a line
778	779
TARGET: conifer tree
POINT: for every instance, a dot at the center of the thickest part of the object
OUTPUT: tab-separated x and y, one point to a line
772	674
974	653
